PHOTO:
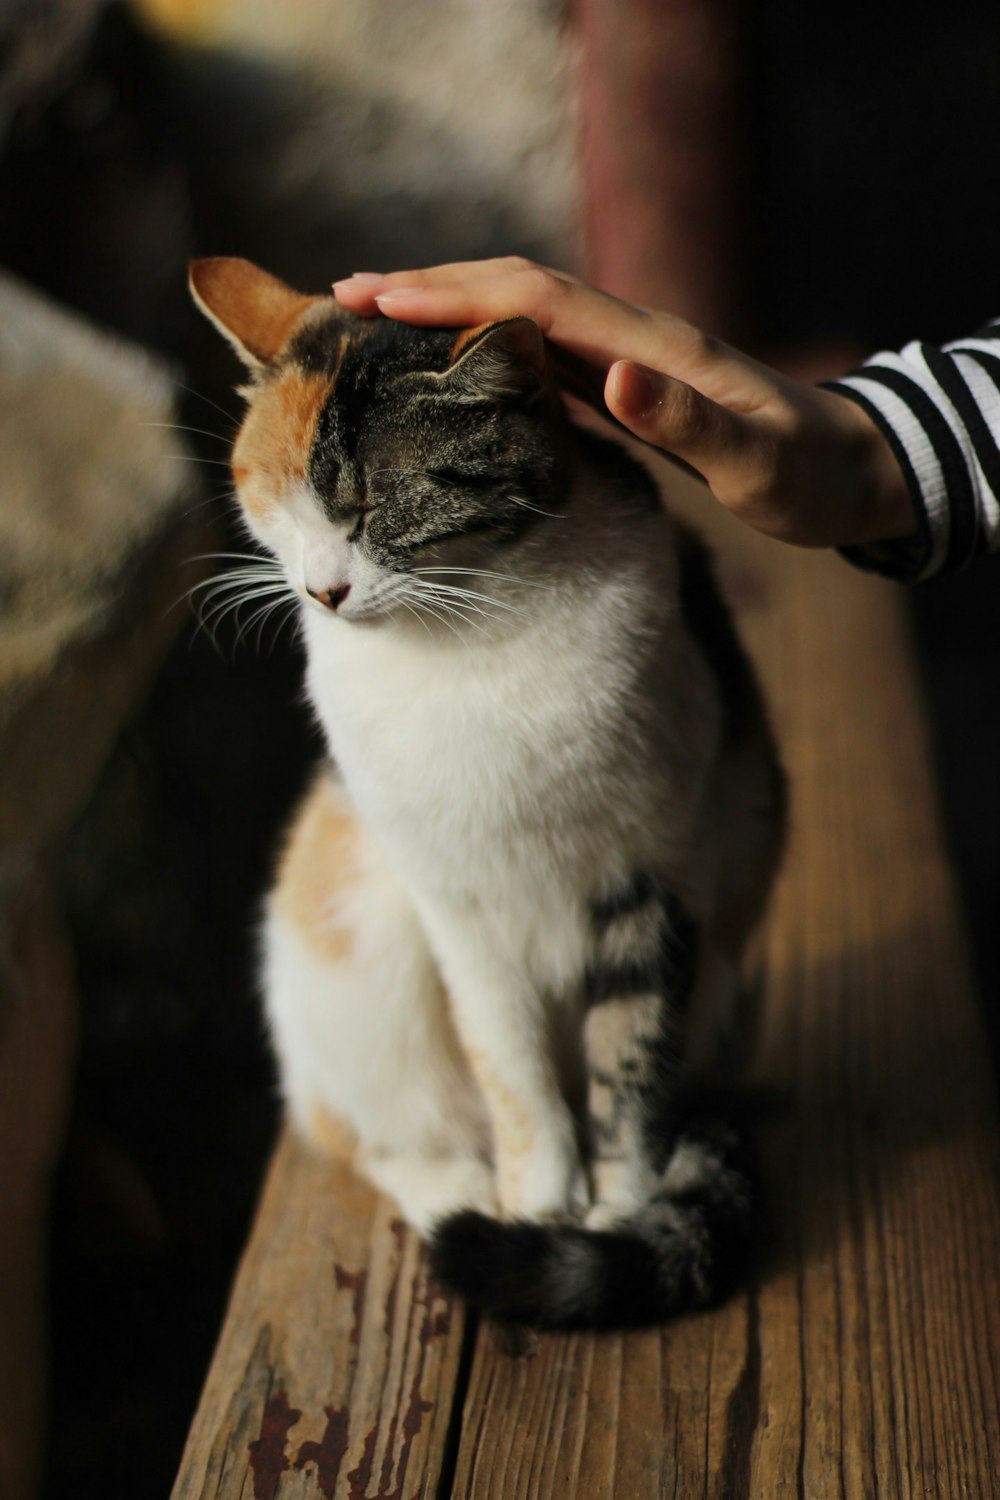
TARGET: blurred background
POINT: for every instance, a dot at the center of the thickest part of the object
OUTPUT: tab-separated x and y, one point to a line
809	182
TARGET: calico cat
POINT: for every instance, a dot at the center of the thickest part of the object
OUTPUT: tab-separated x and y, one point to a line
512	906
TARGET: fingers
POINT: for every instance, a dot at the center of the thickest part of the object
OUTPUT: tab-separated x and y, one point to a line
675	417
597	327
358	292
590	324
465	293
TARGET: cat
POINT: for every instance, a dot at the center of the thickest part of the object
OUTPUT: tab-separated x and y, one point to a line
511	907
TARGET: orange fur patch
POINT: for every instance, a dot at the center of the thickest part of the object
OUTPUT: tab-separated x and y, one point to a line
465	338
320	863
253	309
513	1123
331	1135
273	447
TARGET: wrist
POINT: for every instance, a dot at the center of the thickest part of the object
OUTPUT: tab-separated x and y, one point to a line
884	510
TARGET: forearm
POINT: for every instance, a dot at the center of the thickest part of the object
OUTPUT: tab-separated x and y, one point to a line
938	411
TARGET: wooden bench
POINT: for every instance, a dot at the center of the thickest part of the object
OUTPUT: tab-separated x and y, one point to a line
864	1358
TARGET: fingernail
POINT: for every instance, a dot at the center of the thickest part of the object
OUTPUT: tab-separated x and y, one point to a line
397	292
635	388
357	280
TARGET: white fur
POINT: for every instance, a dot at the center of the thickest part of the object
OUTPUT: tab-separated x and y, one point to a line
505	770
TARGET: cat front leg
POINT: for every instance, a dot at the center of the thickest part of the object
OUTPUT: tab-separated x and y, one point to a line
640	977
505	1032
371	1068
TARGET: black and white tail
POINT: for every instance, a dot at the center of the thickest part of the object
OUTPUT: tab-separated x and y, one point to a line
683	1250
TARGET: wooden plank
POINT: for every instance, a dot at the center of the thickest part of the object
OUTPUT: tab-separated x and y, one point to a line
336	1367
864	1361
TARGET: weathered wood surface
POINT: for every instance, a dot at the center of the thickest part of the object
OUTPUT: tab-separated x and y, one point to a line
338	1362
863	1360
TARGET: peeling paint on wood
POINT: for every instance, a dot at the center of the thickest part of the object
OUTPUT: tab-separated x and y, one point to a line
268	1455
335	1374
327	1455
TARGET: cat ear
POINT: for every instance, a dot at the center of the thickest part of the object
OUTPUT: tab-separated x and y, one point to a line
255	311
499	359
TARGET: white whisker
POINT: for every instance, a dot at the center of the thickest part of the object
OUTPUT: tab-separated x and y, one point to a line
199	396
444	612
218	437
453	591
445	600
415	613
219	608
456	610
525	583
553	515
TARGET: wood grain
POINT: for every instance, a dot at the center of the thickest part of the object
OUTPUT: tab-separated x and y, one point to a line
863	1360
336	1367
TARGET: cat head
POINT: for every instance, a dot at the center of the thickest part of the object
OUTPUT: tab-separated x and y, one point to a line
375	459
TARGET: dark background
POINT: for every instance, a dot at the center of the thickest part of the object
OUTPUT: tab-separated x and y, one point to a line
872	215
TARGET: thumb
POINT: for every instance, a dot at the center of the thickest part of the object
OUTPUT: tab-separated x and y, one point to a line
675	417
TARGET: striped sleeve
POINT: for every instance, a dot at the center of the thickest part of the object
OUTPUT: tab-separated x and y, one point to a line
939	409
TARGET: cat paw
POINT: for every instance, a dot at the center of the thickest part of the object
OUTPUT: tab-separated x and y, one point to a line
429	1189
546	1185
604	1216
621	1188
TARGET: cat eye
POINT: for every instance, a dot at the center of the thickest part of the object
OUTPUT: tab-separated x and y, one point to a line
362	512
460	479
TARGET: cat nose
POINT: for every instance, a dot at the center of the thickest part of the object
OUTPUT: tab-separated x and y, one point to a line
332	598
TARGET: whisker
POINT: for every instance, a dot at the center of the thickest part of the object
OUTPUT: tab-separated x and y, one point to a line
553	515
217	437
238	575
441	595
293	614
257	618
456	611
199	396
212	588
256	557
217	498
470	599
438	614
525	583
221	608
415	613
444	620
453	590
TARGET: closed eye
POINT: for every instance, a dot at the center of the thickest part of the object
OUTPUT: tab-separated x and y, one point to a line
361	512
462	480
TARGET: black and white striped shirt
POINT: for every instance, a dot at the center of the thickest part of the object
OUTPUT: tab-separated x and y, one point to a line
939	408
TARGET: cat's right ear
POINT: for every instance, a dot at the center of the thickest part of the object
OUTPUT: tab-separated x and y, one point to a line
255	311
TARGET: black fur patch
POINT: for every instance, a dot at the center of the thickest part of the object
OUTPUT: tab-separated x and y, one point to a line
680	1253
422	459
665	967
706	617
630	896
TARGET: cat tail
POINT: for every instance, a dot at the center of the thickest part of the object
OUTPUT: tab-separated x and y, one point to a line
683	1250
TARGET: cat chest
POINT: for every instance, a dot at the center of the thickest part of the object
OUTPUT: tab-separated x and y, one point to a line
479	752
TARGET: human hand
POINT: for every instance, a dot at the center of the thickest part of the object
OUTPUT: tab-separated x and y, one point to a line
804	465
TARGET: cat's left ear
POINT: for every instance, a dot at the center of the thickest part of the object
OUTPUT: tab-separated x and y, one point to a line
499	360
255	311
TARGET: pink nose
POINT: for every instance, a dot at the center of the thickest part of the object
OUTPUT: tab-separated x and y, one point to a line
332	598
